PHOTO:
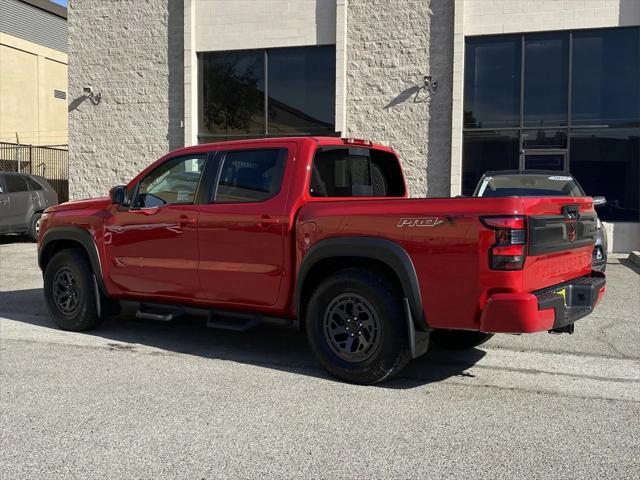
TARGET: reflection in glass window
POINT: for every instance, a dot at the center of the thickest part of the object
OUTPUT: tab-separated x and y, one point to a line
232	101
549	138
546	76
607	162
485	151
492	82
606	77
300	96
301	90
172	183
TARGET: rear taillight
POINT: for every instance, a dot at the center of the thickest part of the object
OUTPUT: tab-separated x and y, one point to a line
509	250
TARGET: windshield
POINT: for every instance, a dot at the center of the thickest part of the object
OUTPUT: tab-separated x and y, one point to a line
529	186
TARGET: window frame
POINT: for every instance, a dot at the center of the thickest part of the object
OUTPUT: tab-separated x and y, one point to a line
218	161
206	137
197	200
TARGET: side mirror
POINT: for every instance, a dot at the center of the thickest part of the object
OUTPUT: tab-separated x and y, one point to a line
119	195
598	201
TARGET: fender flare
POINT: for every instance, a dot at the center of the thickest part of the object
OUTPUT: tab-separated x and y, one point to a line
385	251
78	235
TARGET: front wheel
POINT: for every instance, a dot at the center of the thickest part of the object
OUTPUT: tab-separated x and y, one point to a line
70	292
356	326
459	339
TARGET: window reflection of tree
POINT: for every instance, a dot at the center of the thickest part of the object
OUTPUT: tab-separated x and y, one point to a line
232	97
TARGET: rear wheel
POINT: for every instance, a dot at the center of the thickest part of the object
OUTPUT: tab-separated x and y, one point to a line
459	339
70	291
356	327
34	227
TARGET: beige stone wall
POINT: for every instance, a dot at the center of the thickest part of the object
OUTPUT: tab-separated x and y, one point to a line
391	46
29	74
131	52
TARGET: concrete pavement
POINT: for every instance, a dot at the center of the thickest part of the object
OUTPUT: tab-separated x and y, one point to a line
137	399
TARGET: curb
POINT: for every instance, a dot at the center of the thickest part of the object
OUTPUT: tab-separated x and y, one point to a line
634	257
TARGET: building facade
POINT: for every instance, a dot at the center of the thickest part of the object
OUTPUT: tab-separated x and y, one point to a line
457	87
33	72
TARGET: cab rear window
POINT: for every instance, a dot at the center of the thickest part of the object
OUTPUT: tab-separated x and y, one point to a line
355	172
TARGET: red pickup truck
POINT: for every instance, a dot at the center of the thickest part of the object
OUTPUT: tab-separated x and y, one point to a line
319	233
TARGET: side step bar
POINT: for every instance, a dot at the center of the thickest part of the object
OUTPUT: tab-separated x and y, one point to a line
158	315
219	319
237	322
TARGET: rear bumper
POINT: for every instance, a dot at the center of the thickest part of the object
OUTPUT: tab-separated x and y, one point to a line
551	308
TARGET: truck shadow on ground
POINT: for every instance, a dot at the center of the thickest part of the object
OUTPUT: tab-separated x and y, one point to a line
268	347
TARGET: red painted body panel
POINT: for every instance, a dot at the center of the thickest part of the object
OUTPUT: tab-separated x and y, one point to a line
247	256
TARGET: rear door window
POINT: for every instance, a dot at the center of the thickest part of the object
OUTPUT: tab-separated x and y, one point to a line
355	172
15	183
250	175
33	185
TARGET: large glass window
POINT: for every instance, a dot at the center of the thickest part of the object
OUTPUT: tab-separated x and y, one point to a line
576	109
232	101
546	76
492	82
486	151
606	162
301	90
606	77
275	92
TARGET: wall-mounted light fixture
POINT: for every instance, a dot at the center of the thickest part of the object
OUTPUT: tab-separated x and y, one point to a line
430	84
94	97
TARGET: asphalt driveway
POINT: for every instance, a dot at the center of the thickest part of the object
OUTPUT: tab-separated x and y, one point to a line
138	399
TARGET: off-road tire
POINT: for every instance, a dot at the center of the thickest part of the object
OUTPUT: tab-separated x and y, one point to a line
76	313
459	339
384	300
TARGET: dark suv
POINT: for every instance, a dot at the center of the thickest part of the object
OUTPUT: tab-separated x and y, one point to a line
538	183
23	198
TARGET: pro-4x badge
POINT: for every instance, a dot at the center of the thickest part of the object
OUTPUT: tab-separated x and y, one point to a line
419	222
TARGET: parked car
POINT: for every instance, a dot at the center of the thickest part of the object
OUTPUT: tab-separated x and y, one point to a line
539	183
319	233
23	198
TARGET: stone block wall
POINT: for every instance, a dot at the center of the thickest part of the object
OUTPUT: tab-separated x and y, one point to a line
391	46
132	53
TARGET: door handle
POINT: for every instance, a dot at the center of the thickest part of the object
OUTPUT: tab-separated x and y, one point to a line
185	221
4	202
266	221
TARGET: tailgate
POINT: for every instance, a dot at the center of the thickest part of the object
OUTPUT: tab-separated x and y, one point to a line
560	236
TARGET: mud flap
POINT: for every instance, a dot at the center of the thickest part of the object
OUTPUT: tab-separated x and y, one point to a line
418	341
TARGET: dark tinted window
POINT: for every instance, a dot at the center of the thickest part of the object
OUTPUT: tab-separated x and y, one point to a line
355	172
232	94
606	77
250	175
545	139
483	151
174	182
492	82
300	93
15	183
546	76
301	90
607	162
33	185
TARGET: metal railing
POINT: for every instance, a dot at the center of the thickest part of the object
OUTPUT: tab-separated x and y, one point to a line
50	162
